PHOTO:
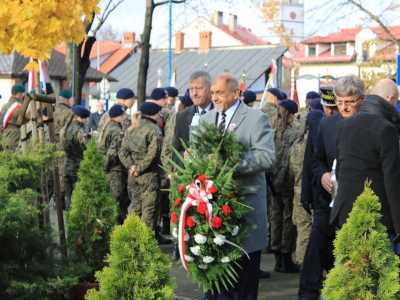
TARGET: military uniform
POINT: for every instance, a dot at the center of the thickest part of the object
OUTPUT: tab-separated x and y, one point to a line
141	147
117	174
300	119
270	109
12	133
104	118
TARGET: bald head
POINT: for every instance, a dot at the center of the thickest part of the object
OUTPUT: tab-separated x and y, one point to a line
386	89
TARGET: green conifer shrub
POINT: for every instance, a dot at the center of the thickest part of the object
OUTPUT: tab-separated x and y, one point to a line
31	266
365	268
137	269
92	215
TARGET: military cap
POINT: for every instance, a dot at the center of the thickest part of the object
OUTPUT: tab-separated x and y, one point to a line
185	99
80	111
289	105
284	95
312	95
172	91
316	104
249	96
327	96
116	111
159	93
18	88
313	114
276	92
65	94
44	111
149	108
125	93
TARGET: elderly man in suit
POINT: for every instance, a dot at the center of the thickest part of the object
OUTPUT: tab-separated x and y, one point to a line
95	117
253	129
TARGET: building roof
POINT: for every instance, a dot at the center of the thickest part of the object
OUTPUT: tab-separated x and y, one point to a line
322	57
255	60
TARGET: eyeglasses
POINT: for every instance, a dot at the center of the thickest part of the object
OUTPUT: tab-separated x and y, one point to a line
347	103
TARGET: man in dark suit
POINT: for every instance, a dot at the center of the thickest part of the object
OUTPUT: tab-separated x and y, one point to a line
320	246
253	129
95	117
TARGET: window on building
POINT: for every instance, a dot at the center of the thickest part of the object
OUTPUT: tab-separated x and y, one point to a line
311	50
340	48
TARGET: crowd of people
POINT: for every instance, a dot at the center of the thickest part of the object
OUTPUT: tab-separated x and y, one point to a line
288	162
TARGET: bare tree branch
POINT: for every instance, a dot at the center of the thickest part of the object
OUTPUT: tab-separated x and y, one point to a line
105	14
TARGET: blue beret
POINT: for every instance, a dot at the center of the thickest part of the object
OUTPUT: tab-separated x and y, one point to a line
159	93
312	95
18	88
289	105
44	111
313	114
276	92
185	99
80	111
172	91
116	110
284	96
249	96
316	104
149	108
65	94
125	93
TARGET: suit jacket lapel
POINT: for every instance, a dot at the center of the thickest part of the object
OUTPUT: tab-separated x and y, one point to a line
239	116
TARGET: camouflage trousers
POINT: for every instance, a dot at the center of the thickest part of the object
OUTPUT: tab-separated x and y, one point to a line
303	222
119	191
61	174
283	231
144	193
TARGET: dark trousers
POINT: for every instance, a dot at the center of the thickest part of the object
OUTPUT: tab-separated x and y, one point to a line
319	256
247	286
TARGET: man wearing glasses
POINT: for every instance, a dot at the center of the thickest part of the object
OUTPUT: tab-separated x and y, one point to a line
348	94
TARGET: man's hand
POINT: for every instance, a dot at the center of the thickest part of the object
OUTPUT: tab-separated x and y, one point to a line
326	182
132	172
307	207
186	156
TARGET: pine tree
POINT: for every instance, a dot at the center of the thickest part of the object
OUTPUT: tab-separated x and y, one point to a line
365	267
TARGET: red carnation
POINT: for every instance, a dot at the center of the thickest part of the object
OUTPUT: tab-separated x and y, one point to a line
216	222
202	177
202	208
226	210
177	202
213	190
174	217
190	222
181	188
233	195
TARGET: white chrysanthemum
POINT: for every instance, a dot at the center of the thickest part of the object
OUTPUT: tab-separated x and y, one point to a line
208	259
174	232
200	239
202	267
189	258
235	230
187	236
219	239
225	259
195	250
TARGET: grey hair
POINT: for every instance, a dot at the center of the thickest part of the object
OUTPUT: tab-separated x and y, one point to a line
201	74
349	85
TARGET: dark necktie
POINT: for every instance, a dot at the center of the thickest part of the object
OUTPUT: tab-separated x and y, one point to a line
221	126
203	112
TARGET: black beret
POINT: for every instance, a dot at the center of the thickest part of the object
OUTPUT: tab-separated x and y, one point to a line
116	110
185	99
316	104
249	96
289	105
159	93
313	114
172	91
18	88
125	93
65	94
80	111
312	95
327	96
44	111
284	96
276	92
149	108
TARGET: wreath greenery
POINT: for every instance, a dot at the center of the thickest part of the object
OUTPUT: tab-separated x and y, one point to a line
214	224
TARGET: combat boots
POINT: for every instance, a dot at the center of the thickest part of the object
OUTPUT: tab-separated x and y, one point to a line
278	260
160	239
288	266
165	229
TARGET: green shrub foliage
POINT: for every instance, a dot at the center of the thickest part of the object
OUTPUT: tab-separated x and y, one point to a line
365	267
137	269
30	262
92	215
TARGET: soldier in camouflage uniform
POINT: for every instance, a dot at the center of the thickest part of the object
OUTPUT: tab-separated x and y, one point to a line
11	133
300	120
61	115
272	98
73	141
140	154
283	232
172	95
110	139
125	98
